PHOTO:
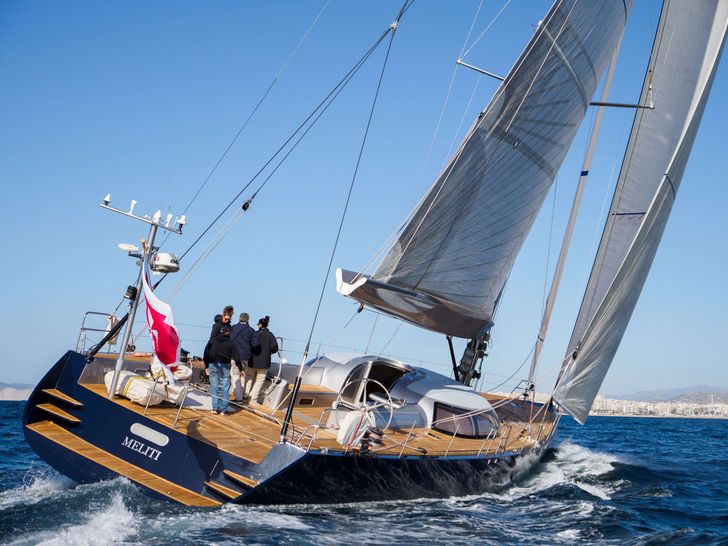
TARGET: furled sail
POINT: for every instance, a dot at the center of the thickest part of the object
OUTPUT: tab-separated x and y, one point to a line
682	65
450	262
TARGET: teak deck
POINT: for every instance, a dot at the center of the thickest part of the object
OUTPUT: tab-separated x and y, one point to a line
251	433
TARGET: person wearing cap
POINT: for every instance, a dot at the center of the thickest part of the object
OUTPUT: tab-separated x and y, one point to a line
264	345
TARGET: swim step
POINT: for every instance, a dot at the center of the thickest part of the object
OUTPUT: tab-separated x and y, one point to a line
63	397
241	480
57	434
58	412
223	491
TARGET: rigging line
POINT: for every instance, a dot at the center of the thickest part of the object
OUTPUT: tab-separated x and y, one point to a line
447	98
238	215
393	235
396	330
451	165
351	186
548	248
553	40
303	39
227	228
550	373
231	223
341	82
517	369
297	385
462	120
255	109
487	28
298	141
609	189
331	343
323	106
376	318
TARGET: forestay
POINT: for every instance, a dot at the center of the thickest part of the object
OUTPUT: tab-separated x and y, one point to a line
452	257
683	61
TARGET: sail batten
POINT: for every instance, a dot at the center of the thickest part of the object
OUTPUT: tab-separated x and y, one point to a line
682	65
459	244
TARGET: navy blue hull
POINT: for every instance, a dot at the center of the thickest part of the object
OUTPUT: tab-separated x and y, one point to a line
288	475
323	478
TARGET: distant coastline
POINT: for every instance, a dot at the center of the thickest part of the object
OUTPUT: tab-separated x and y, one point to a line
15	391
669	416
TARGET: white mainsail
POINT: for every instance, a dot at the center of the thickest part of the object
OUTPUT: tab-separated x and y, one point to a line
447	268
682	65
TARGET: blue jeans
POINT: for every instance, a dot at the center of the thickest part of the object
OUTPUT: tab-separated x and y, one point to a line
220	379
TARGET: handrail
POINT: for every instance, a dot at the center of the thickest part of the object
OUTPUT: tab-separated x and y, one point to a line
486	439
317	428
409	435
83	329
452	440
181	404
504	441
112	333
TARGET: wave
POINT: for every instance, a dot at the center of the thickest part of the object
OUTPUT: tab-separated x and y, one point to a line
108	523
38	484
568	464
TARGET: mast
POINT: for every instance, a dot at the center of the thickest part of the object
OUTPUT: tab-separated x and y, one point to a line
583	176
683	62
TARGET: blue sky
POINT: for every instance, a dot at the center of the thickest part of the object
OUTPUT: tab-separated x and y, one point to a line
140	99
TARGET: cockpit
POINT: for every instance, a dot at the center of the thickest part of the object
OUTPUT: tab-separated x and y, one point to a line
373	377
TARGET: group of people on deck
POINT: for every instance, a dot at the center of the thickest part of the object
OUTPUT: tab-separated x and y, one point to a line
237	354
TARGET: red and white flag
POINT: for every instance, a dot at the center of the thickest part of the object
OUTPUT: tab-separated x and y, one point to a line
161	327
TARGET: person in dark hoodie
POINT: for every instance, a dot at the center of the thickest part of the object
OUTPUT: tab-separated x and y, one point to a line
263	347
222	352
243	336
206	352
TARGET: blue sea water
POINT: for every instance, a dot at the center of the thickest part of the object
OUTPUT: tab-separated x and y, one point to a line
614	481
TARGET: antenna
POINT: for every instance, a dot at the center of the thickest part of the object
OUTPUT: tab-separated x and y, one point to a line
167	263
156	220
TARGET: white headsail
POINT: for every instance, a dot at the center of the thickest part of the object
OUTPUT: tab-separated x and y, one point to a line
682	65
451	260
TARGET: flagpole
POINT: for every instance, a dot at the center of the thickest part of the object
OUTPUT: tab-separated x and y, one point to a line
132	311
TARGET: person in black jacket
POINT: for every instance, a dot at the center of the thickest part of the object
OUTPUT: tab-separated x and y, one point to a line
264	345
206	352
222	351
242	336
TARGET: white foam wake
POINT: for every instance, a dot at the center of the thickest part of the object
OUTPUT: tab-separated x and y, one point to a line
40	485
572	465
229	515
108	524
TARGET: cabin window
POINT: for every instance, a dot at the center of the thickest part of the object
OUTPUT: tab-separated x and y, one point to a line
352	393
460	421
382	375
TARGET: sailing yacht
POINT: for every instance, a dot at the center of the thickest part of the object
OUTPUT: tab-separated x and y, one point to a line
359	427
